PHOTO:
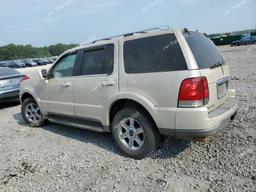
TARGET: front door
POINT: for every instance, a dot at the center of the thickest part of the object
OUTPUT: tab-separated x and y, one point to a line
57	96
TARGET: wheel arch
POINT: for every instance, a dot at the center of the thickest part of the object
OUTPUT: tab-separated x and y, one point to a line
121	103
26	94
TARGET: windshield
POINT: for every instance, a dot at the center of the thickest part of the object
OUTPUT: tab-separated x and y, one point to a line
204	50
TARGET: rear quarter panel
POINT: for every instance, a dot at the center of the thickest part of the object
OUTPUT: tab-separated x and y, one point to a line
160	90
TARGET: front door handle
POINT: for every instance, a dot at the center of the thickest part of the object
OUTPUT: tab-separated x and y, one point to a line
66	84
108	83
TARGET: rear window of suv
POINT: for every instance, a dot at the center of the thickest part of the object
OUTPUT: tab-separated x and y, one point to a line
153	54
204	50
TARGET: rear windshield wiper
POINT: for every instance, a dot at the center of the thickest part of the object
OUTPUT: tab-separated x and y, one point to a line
216	65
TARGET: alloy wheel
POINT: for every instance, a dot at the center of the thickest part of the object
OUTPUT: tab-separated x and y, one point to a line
131	133
33	113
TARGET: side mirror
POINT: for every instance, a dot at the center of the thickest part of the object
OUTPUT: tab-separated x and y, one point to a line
44	73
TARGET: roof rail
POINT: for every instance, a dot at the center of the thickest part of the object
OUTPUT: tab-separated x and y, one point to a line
132	33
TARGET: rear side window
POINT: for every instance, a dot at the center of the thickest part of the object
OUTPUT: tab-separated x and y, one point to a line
98	61
204	50
153	54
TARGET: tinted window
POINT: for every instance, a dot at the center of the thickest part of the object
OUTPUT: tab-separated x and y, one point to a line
65	66
98	61
153	54
203	49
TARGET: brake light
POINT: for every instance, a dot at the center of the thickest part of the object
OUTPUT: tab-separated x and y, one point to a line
194	92
24	78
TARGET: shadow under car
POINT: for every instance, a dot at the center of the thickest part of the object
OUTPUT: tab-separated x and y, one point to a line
170	146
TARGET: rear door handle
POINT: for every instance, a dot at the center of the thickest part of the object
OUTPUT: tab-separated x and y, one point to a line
108	83
66	84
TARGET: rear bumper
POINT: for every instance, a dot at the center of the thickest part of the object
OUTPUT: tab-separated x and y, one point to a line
11	95
200	123
186	133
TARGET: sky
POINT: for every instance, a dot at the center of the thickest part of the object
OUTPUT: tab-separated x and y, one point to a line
45	22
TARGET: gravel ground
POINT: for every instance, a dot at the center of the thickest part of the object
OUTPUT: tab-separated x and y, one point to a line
57	158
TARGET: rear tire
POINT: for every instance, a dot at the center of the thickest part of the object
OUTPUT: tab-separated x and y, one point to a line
135	133
31	113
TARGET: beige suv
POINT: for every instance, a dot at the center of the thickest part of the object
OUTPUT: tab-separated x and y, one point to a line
138	86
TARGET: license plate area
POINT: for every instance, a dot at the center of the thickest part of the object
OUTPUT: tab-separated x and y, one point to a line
222	87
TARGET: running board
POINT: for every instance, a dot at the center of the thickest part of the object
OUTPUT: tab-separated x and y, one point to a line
77	122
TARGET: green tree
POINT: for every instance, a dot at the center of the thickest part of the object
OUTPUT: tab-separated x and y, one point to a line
13	52
60	48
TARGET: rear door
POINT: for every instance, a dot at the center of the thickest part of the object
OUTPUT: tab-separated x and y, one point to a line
97	81
212	65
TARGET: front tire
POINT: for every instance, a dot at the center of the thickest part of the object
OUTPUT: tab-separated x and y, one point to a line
135	133
31	113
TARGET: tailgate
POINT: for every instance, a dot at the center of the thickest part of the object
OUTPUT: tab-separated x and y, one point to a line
211	64
218	80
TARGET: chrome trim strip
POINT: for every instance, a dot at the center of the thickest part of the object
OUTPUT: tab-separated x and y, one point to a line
223	80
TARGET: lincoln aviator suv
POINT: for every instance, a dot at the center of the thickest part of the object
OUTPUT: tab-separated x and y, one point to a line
138	86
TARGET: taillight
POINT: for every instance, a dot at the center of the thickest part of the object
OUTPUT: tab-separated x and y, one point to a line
24	78
194	92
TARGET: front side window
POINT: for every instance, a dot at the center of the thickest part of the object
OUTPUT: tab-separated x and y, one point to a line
98	61
65	66
153	54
